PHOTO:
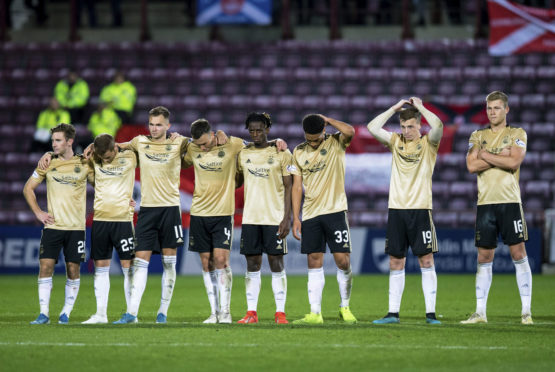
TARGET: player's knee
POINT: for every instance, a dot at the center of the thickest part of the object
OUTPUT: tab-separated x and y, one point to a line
276	263
396	263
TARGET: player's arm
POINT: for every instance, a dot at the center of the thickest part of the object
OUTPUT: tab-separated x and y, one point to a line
508	159
31	198
296	197
285	224
375	127
473	164
347	131
436	125
44	161
221	137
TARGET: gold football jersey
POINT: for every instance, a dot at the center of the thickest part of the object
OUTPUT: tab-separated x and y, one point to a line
496	185
412	167
215	170
113	187
323	174
66	191
263	170
160	164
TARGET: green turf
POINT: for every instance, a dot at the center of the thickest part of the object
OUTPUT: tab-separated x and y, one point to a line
186	344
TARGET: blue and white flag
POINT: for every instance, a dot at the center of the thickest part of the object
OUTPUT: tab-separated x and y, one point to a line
234	12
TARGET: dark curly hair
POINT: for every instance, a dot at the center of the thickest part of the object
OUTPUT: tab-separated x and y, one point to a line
257	116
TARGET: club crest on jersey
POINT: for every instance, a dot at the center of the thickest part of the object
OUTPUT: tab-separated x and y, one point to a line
221	153
270	160
168	147
323	152
520	143
121	161
77	169
506	140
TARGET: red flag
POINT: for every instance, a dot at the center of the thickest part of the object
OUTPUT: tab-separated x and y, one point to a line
515	28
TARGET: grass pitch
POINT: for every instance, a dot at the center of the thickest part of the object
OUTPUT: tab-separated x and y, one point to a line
185	344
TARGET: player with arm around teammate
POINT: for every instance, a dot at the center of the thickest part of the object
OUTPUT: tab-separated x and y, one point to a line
495	155
64	223
266	214
319	167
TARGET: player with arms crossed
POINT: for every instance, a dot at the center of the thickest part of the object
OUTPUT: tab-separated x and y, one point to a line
64	223
409	219
266	214
495	155
319	166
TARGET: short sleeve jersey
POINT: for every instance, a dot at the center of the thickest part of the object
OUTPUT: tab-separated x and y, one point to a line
215	170
66	191
113	187
263	170
323	174
496	185
412	168
160	164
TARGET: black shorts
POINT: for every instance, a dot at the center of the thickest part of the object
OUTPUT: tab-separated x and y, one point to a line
505	219
413	227
207	233
332	229
72	241
157	228
106	235
258	239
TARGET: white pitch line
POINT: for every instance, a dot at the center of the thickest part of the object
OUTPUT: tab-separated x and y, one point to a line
186	344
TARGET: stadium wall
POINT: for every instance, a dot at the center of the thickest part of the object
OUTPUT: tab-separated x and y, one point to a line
19	250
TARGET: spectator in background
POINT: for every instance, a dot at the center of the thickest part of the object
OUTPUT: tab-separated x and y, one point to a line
48	119
104	120
121	95
73	94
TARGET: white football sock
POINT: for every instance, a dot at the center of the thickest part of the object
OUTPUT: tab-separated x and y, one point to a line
168	283
279	286
345	281
252	287
429	287
483	283
316	282
524	282
138	284
101	289
225	280
396	288
126	283
72	289
45	288
211	290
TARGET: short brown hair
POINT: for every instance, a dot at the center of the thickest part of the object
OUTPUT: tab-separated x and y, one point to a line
160	110
410	113
498	95
200	127
67	129
102	143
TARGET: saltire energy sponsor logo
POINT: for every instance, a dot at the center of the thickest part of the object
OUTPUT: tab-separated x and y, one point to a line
260	172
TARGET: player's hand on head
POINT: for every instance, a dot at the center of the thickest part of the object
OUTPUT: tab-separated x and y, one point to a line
44	161
281	145
399	105
297	229
415	101
88	151
174	135
221	138
326	120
